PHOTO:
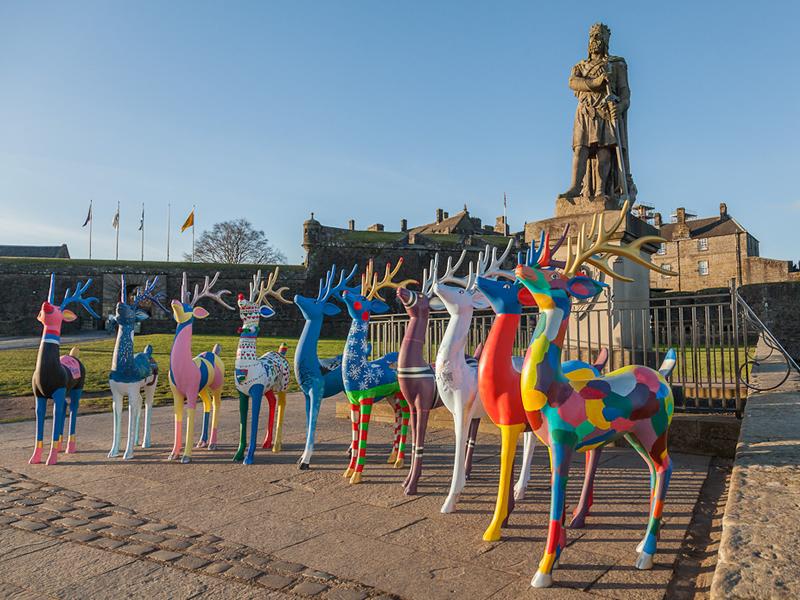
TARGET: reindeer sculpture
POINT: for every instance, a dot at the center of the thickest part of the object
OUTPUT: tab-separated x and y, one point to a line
56	376
131	373
318	378
259	376
499	388
192	377
366	382
581	414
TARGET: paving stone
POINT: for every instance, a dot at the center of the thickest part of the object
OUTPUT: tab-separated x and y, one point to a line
192	563
243	572
107	543
44	515
51	531
289	567
209	539
29	525
56	507
175	544
318	574
81	536
121	510
164	555
309	588
184	532
89	503
123	520
20	511
70	522
156	526
274	581
216	568
95	526
7	519
28	501
136	549
258	560
149	538
119	532
204	549
86	513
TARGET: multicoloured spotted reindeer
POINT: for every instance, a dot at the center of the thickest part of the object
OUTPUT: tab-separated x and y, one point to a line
258	376
366	382
570	415
192	377
131	373
56	376
499	388
318	378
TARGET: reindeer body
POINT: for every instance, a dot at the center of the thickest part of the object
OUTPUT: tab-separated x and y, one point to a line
57	376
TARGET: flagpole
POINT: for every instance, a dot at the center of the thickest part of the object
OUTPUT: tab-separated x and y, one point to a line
116	252
142	231
91	218
505	214
194	218
169	227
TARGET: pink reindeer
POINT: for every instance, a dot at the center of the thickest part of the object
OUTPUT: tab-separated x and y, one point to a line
192	377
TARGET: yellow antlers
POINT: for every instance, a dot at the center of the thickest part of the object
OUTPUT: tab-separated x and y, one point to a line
370	286
259	292
596	250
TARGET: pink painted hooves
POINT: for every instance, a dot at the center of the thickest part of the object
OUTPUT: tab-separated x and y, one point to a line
36	457
52	458
71	448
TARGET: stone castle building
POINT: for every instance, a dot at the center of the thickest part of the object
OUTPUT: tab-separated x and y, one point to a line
709	252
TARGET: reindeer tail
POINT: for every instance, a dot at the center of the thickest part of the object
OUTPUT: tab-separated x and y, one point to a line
669	363
148	350
282	349
601	360
75	352
217	349
477	354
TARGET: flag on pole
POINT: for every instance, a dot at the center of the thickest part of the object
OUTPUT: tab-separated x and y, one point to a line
115	222
88	216
189	222
505	200
141	220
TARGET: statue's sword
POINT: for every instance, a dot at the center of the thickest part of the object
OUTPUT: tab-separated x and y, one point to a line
623	171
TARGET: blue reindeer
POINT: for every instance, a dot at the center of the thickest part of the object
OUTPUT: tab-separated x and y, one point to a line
130	373
318	378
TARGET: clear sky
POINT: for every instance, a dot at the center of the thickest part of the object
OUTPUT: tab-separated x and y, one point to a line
378	111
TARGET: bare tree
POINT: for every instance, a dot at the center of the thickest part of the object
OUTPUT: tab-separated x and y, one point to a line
235	242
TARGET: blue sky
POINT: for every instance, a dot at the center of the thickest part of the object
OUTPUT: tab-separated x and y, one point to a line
378	111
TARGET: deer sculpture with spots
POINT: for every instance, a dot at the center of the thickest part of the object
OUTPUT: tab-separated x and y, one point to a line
193	377
131	373
581	414
258	376
365	381
57	376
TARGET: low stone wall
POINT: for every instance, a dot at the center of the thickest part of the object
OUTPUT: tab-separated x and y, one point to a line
776	304
758	553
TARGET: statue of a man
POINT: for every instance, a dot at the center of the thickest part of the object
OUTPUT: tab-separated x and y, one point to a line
600	132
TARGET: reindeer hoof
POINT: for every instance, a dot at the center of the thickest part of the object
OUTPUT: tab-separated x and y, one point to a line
399	463
491	535
640	547
645	561
519	495
200	444
52	458
71	448
186	460
172	456
36	457
248	460
392	457
542	580
113	454
304	466
277	448
578	522
146	444
127	456
348	473
212	446
356	478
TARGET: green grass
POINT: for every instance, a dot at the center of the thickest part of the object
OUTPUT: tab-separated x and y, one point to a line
700	363
16	366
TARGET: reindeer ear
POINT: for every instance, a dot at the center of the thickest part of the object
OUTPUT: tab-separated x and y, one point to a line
112	319
67	315
584	287
525	297
479	301
436	303
378	307
199	312
141	316
266	312
330	309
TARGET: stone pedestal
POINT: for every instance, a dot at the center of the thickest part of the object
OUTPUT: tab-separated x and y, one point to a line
617	319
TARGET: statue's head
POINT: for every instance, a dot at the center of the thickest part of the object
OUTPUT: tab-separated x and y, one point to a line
599	37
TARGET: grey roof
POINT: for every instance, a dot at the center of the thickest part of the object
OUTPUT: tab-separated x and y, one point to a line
703	228
35	251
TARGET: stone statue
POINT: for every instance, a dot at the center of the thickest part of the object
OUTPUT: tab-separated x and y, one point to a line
600	166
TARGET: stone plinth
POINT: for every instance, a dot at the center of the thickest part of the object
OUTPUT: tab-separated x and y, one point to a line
567	207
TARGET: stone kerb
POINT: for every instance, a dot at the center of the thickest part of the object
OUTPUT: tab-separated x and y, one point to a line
760	527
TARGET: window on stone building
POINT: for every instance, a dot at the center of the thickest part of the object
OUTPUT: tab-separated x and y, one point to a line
702	244
662	249
667	267
702	267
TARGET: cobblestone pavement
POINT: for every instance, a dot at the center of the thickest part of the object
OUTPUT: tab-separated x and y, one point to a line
95	527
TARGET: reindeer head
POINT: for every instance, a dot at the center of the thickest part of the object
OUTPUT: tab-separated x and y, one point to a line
52	315
504	293
463	298
257	305
316	308
551	283
362	302
184	310
128	314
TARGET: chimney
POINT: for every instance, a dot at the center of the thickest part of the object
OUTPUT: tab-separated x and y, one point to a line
681	215
657	220
500	226
682	229
723	211
403	225
439	215
375	227
446	215
351	224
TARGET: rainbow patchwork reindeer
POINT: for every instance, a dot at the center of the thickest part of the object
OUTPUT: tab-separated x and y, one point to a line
56	376
578	415
499	387
258	376
131	373
366	382
318	378
192	377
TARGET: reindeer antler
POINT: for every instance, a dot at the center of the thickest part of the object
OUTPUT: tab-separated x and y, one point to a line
148	293
371	287
596	250
266	291
206	292
429	276
495	267
69	298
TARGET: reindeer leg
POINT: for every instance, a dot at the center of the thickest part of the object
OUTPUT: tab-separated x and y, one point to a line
528	444
456	484
471	437
177	407
421	425
585	503
216	401
271	419
412	419
276	447
313	403
191	404
244	400
256	393
117	400
354	419
401	447
393	454
636	445
134	410
203	441
74	403
58	425
41	410
663	472
509	435
150	392
560	458
365	412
